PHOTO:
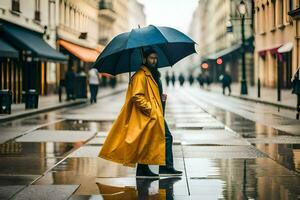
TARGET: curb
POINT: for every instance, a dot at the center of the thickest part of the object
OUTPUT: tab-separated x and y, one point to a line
264	102
38	111
51	108
259	101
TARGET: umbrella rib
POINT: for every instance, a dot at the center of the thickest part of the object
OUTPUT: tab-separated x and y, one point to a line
161	33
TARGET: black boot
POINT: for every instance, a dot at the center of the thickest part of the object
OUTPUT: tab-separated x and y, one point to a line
169	171
143	170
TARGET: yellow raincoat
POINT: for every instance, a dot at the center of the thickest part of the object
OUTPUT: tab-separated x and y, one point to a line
138	133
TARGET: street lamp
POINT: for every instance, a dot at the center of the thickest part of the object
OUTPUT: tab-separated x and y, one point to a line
242	9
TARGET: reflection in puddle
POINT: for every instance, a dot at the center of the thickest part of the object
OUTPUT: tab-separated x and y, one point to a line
80	125
32	120
28	158
286	154
36	149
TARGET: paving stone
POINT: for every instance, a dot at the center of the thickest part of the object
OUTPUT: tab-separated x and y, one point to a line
86	151
26	165
96	141
7	192
8	133
188	116
276	140
89	117
9	179
102	133
221	152
209	137
57	192
56	136
214	125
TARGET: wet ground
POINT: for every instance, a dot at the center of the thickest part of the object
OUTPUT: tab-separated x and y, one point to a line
227	149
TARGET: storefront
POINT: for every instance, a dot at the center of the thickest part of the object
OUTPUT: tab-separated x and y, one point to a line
230	60
29	69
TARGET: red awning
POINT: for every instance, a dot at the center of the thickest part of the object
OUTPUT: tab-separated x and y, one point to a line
273	50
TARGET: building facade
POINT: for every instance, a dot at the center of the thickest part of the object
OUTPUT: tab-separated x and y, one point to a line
28	28
220	38
277	42
77	34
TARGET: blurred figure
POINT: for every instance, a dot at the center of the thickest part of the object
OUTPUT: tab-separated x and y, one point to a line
94	84
181	79
167	77
226	82
113	81
69	83
103	81
207	79
200	80
173	79
191	79
60	88
296	90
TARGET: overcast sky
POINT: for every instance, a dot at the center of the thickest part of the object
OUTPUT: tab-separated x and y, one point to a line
173	13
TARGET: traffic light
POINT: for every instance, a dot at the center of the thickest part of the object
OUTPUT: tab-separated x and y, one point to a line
204	65
219	61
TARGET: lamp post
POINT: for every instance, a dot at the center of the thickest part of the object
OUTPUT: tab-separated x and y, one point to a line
242	9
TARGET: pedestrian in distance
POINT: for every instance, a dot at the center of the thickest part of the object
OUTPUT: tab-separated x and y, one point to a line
112	82
200	80
226	82
69	83
94	84
148	138
181	79
191	79
167	78
173	79
208	79
296	90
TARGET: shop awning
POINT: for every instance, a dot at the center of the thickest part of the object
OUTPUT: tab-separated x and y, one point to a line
287	47
83	53
225	52
7	51
30	41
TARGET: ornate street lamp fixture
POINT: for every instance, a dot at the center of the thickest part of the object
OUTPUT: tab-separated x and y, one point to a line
242	9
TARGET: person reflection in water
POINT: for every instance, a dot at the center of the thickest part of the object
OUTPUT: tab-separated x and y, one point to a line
144	189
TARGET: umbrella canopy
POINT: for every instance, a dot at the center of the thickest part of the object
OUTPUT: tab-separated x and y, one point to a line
124	52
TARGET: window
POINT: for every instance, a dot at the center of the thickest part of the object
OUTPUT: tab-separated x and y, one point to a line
280	12
37	14
15	5
264	18
291	5
257	20
273	5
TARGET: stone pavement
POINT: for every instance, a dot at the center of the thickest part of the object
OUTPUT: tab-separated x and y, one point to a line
209	147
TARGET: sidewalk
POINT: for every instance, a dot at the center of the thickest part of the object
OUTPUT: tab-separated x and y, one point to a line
51	102
267	95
